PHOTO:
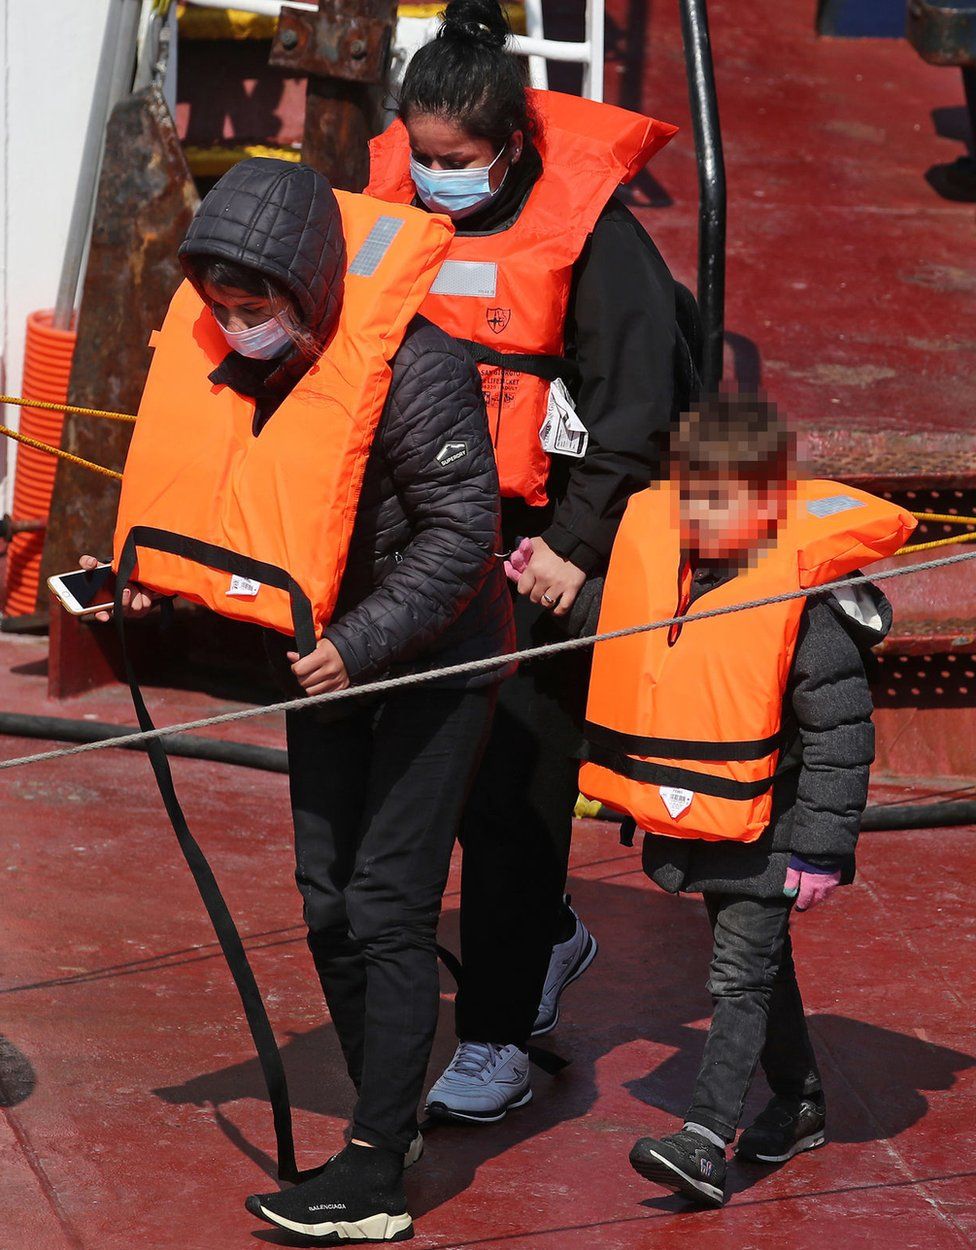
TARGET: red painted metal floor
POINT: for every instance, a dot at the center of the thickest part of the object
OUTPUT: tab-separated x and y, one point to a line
850	281
132	1112
132	1107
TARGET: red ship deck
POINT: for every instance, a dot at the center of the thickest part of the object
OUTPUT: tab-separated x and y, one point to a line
131	1107
132	1110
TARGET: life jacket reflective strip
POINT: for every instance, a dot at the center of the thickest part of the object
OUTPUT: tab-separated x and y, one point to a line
509	291
683	726
257	526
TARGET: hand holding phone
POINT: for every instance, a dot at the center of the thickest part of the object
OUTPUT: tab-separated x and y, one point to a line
91	592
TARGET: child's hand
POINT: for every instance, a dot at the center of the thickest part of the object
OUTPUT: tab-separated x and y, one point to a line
136	601
808	884
518	561
321	672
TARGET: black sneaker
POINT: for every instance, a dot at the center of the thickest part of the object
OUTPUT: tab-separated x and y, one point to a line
684	1162
787	1127
357	1197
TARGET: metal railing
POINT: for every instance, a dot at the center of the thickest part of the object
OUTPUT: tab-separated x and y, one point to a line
412	32
711	186
588	52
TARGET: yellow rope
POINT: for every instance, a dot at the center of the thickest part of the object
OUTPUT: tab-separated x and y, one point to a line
45	406
939	542
7	432
944	519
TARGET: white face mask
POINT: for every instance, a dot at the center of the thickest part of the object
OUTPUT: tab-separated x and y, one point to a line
262	342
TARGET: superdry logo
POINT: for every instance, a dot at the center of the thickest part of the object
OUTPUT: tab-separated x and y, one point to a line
450	453
498	319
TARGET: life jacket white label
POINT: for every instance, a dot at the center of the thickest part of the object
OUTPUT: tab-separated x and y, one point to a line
243	587
562	432
676	800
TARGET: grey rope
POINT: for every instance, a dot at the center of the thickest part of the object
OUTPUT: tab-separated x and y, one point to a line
476	666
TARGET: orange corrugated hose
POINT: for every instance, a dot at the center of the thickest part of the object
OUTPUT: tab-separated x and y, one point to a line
47	368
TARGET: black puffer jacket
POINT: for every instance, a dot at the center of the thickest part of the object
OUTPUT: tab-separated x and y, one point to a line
422	584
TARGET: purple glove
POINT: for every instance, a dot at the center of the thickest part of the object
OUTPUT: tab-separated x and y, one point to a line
809	884
518	561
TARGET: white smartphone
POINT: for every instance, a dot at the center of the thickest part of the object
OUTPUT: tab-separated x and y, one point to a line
85	591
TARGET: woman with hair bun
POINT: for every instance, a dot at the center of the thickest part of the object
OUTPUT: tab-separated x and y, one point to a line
569	311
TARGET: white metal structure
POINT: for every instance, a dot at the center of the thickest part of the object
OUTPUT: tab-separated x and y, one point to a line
412	32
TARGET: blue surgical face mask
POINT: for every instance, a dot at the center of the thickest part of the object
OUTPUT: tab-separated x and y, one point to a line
262	342
457	192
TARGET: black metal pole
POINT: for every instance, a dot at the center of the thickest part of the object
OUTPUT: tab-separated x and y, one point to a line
711	185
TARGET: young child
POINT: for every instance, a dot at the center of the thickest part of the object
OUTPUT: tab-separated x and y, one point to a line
741	745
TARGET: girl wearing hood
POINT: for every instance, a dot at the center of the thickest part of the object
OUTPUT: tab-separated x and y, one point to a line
377	786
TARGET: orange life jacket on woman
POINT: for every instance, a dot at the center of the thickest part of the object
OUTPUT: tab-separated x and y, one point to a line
683	724
257	526
507	293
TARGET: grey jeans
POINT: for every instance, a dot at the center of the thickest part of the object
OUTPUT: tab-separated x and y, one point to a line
758	1013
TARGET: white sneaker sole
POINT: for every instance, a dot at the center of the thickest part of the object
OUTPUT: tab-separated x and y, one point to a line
441	1111
581	967
813	1142
379	1227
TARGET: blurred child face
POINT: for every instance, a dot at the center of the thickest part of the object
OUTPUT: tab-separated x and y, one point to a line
724	517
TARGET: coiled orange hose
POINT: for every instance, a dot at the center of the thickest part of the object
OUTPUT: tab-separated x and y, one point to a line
47	369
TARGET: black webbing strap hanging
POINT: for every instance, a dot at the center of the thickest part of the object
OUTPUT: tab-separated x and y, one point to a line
549	368
229	938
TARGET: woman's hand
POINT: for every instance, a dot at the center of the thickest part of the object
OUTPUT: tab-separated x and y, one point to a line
136	601
321	672
550	580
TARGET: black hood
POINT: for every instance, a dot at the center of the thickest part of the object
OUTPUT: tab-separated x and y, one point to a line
283	220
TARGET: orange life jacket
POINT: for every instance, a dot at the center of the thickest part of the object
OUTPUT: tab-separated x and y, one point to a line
257	526
683	725
508	292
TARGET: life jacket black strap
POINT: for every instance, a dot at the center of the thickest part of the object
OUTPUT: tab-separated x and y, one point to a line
198	552
681	748
228	936
549	368
665	775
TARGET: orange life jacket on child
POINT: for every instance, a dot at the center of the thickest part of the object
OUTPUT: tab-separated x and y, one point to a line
683	725
257	526
507	293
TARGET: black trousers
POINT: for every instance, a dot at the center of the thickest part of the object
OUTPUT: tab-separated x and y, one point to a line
758	1015
376	799
516	833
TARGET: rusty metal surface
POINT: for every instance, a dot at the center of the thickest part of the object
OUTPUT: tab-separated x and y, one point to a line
345	50
146	199
347	39
340	119
943	33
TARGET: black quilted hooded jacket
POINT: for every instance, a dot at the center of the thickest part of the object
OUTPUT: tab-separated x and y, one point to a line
422	586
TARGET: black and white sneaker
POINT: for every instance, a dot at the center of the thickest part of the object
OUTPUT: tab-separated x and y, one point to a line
684	1162
357	1197
787	1127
